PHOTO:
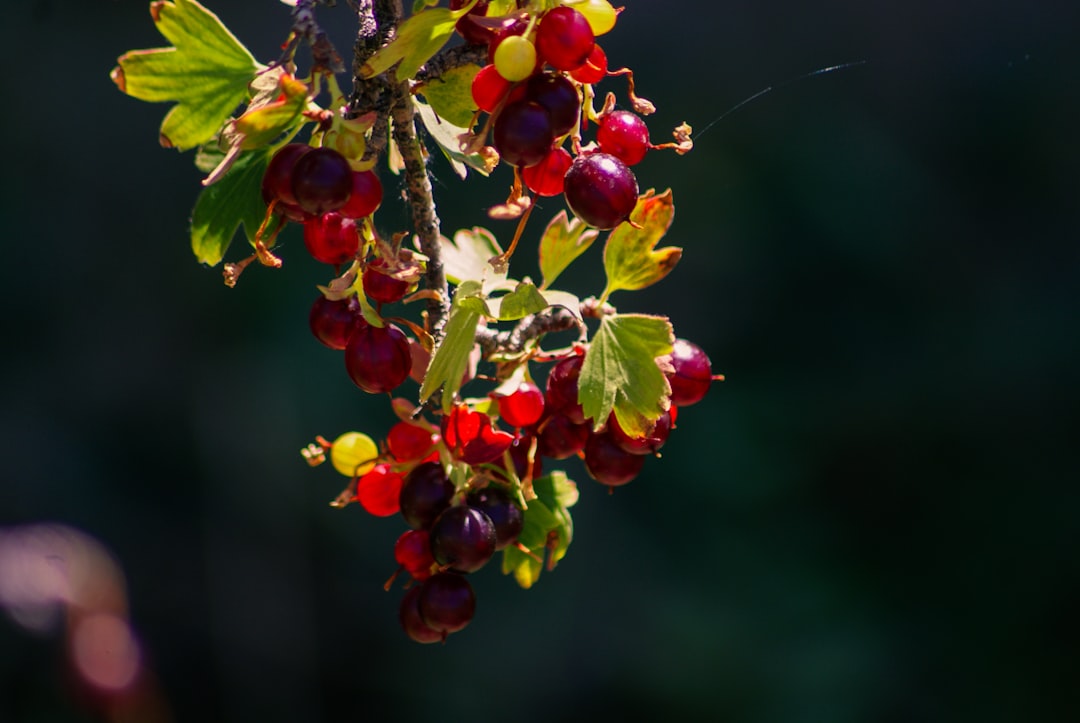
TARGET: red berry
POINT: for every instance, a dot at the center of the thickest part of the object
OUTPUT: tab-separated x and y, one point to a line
277	179
693	373
564	38
488	88
560	438
381	287
411	621
331	238
413	552
594	69
471	438
648	444
365	197
377	358
547	178
378	491
608	464
522	407
623	135
562	389
474	33
333	322
408	442
321	181
601	190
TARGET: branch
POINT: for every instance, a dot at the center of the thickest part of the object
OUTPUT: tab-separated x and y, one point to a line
530	328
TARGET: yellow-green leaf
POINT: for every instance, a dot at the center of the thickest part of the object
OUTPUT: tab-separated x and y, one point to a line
206	72
631	258
563	241
451	358
262	125
620	372
450	95
525	299
418	38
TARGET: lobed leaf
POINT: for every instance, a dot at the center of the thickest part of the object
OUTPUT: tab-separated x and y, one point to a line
620	372
525	299
418	38
236	199
450	95
631	259
206	72
466	258
563	241
548	527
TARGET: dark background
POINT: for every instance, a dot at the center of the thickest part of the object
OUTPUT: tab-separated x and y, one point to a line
873	519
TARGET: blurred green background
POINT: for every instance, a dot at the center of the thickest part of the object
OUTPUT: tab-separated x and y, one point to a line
873	519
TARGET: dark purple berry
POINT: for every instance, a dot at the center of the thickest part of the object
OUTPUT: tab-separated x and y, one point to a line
463	538
425	493
559	96
601	190
378	358
411	622
446	602
505	513
321	181
560	438
523	133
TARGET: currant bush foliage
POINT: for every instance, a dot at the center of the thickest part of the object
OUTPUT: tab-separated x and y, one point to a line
511	83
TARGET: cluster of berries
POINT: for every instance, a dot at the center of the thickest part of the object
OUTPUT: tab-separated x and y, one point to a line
534	111
455	531
318	188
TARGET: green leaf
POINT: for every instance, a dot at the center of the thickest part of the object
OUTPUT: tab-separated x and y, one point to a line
620	372
206	73
451	357
629	256
525	299
450	95
418	38
563	241
235	199
544	515
564	299
445	135
466	258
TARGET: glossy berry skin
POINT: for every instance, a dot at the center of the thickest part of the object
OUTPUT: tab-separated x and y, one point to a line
515	58
649	444
463	539
559	97
564	38
522	134
624	135
408	442
559	437
608	464
594	69
333	322
379	491
277	179
321	181
562	389
474	33
381	287
505	514
411	622
446	602
693	373
547	177
425	493
331	238
601	190
523	407
488	88
413	552
365	196
378	359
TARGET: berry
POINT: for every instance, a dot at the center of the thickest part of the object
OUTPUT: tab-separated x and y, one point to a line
601	190
594	69
333	322
522	407
562	388
559	97
413	552
505	514
488	88
623	135
331	238
471	438
564	38
446	602
425	493
515	58
559	437
600	14
277	179
523	133
508	27
693	373
463	538
411	622
379	490
608	464
546	178
377	358
408	442
382	287
353	454
649	444
321	181
365	197
474	33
